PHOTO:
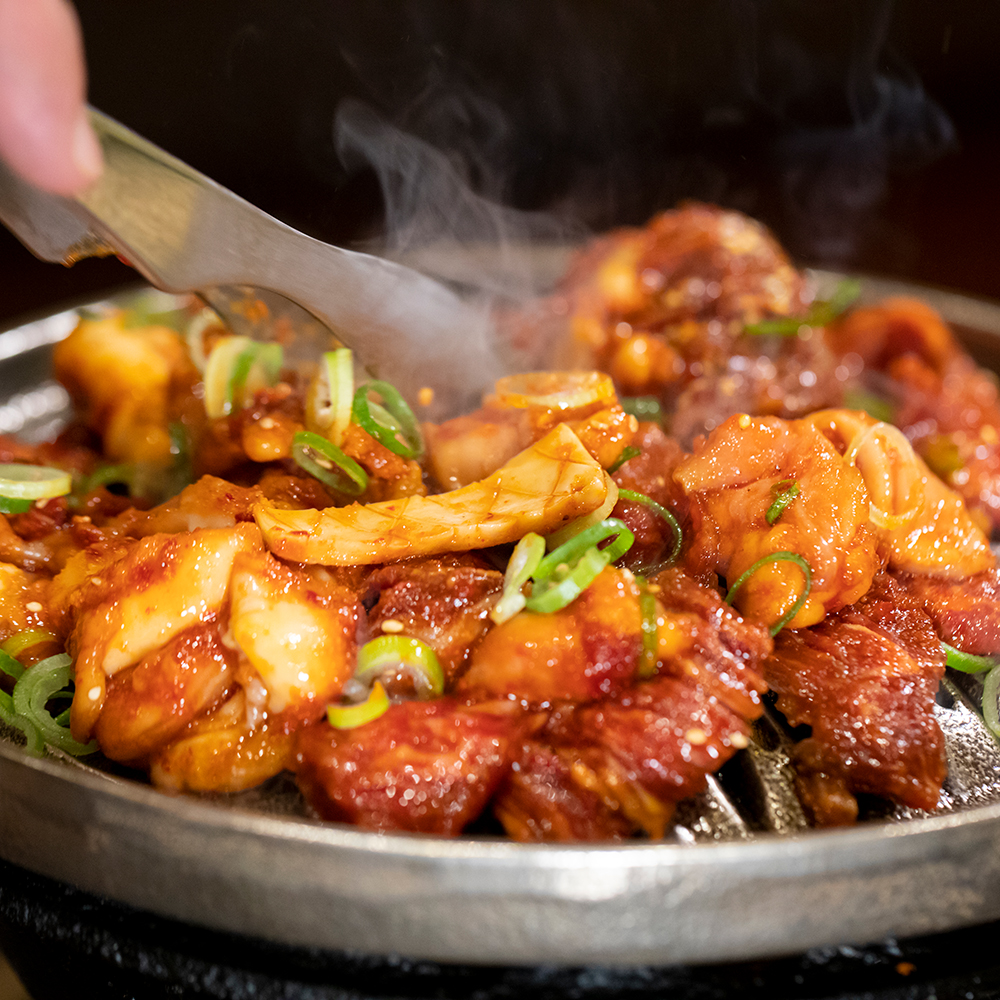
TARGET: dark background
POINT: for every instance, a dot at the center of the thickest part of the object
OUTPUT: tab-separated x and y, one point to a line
865	133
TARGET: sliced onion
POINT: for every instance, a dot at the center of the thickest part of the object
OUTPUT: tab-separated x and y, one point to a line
881	518
554	390
33	482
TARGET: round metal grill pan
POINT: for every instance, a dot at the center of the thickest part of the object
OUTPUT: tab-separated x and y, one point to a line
741	877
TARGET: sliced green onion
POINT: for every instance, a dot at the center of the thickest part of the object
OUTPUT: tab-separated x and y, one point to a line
33	482
21	641
784	493
820	313
194	335
324	460
400	433
568	570
237	368
844	296
775	557
11	506
646	408
46	680
650	629
352	716
395	653
630	451
32	735
991	710
968	663
11	667
558	592
662	511
874	406
523	562
331	396
107	475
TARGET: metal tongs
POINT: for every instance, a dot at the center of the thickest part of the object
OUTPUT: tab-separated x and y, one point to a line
185	233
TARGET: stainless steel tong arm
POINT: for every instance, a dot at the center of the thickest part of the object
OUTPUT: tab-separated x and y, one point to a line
183	232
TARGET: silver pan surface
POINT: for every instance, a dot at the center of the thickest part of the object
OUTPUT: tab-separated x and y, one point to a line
741	877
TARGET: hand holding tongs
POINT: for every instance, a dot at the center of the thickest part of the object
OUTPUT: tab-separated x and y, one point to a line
183	232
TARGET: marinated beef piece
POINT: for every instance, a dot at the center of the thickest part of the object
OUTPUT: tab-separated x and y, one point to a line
944	402
618	765
588	650
651	473
540	800
865	681
664	310
427	767
703	639
966	613
625	761
444	602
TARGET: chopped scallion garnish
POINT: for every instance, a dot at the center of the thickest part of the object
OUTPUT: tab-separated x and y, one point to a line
33	482
568	570
776	557
523	562
991	709
820	313
672	521
967	663
630	451
324	460
784	493
646	408
650	635
397	429
392	654
46	681
352	716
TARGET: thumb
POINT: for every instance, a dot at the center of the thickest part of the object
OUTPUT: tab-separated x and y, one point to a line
44	132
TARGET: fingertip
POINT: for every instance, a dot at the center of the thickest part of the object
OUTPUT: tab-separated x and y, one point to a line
86	152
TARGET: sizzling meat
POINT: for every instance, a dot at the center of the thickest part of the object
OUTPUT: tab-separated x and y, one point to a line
865	681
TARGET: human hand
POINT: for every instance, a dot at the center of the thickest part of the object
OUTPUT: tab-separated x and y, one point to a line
44	132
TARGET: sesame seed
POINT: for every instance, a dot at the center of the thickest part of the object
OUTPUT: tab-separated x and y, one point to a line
738	740
744	421
267	423
33	606
392	625
696	737
94	693
96	581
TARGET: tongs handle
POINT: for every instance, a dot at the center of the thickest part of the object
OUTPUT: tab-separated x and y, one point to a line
183	232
